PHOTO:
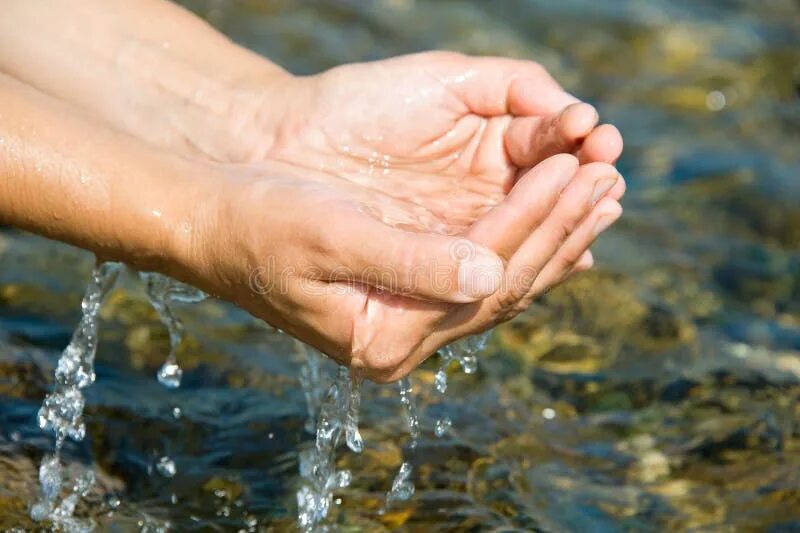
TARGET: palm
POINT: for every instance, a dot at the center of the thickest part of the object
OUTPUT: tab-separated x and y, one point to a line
428	130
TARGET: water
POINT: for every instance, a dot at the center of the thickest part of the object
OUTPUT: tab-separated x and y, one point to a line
62	410
656	393
338	416
166	467
161	291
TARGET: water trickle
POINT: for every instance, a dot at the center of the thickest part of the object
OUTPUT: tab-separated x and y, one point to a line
352	434
161	291
312	379
465	352
402	486
337	418
409	410
62	409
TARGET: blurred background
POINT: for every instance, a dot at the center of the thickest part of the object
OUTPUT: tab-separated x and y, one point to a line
658	392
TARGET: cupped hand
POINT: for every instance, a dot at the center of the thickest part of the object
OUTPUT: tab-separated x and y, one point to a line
445	132
312	254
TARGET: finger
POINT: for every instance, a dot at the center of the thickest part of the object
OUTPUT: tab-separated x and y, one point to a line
618	190
535	96
507	225
421	265
491	86
529	140
591	183
584	263
569	256
603	144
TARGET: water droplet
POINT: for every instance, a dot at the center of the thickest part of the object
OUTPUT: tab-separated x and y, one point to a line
170	375
113	501
442	426
440	381
409	409
402	487
166	467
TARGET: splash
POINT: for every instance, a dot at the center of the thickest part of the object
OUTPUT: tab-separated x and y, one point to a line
62	409
337	420
161	291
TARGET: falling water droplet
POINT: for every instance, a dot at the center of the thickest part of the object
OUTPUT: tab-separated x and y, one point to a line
440	380
442	426
113	501
170	375
402	486
161	291
166	467
409	409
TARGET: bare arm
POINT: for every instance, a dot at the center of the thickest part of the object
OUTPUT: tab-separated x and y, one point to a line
148	67
69	179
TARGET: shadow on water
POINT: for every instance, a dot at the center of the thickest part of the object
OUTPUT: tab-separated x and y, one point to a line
658	392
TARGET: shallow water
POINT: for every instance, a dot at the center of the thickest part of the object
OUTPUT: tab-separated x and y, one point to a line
658	393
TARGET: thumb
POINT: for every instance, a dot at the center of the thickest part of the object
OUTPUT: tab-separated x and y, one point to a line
425	266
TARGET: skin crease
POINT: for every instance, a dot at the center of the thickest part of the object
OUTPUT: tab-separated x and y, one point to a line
436	147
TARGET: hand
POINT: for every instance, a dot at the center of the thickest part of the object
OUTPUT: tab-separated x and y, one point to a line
309	254
443	131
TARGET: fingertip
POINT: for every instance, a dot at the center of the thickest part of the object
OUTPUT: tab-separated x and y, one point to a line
584	262
603	144
479	275
619	188
563	160
577	121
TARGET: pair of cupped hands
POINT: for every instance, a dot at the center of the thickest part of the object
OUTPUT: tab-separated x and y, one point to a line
386	209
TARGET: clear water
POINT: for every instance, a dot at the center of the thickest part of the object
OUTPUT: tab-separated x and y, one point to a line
658	393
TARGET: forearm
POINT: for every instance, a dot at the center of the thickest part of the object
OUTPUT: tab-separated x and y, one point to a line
67	178
147	67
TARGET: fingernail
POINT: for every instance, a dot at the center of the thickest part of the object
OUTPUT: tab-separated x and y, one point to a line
602	224
602	187
480	276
